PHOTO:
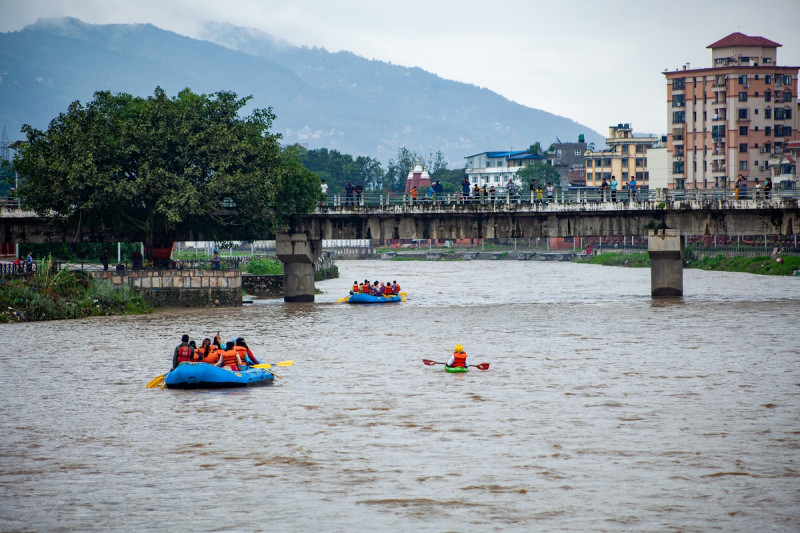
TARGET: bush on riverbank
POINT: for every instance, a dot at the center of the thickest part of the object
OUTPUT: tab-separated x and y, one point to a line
754	265
264	267
50	294
764	265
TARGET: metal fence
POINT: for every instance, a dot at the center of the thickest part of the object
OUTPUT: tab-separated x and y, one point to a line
571	195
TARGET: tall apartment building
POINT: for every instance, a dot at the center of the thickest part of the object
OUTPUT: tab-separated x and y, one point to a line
732	118
626	156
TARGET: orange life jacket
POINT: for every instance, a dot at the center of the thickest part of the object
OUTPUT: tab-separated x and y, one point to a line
396	287
185	353
356	287
229	359
365	287
460	359
213	355
387	290
242	351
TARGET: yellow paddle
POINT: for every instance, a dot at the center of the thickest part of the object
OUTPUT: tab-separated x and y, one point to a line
267	366
156	381
342	300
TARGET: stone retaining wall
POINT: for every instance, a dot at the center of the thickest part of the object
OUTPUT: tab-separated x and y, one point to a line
181	288
263	286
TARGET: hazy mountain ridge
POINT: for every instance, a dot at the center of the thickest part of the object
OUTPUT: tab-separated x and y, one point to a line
333	100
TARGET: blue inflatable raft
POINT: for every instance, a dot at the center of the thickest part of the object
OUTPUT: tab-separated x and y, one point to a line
361	298
206	376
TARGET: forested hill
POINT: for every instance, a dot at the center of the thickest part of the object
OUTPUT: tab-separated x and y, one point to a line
325	100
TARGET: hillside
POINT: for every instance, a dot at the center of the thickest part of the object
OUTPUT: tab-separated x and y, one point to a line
334	100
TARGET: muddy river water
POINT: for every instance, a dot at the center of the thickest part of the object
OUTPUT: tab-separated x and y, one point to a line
602	410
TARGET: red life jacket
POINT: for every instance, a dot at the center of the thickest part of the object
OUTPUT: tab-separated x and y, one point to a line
356	288
460	359
184	353
387	290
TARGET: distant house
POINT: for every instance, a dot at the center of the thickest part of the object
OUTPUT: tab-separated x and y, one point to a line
626	157
496	168
567	159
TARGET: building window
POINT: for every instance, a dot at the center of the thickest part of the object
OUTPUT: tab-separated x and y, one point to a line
639	161
677	167
678	100
678	84
767	77
742	96
742	130
767	96
742	113
742	165
768	113
577	152
679	117
639	148
768	131
624	162
743	148
743	79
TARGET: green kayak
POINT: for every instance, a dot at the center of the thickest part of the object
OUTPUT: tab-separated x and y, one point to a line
456	368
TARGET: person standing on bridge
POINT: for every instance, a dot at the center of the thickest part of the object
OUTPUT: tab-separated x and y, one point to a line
104	257
767	188
348	193
613	188
324	187
359	194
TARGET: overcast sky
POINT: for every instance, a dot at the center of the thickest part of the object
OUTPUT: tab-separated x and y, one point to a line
597	62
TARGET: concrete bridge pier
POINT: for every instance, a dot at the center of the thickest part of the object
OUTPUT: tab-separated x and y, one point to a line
298	254
665	247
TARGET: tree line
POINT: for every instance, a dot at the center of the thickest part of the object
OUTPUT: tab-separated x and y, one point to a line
337	169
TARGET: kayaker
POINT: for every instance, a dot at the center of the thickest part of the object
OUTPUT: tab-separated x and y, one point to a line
183	352
387	289
459	358
395	286
365	286
229	358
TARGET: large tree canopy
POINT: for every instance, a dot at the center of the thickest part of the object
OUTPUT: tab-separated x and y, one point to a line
539	171
156	165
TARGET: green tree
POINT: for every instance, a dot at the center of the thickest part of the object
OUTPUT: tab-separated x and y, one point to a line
541	172
158	165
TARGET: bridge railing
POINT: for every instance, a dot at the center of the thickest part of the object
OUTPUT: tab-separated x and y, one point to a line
561	196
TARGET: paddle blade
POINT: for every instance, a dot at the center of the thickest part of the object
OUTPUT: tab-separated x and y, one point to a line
285	363
155	382
431	363
342	300
482	366
262	365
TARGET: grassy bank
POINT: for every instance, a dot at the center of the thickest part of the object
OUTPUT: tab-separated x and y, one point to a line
48	294
764	265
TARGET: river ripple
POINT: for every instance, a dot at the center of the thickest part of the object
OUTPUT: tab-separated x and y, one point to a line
603	410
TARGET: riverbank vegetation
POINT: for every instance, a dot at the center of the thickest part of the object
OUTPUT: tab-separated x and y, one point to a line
51	294
765	265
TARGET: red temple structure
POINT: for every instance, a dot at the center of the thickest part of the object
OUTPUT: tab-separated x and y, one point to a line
419	178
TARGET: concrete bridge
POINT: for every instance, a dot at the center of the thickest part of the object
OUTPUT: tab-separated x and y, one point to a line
661	216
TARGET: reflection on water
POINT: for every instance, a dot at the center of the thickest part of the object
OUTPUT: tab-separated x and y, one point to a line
602	410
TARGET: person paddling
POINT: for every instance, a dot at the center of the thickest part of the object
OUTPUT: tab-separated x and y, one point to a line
459	358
